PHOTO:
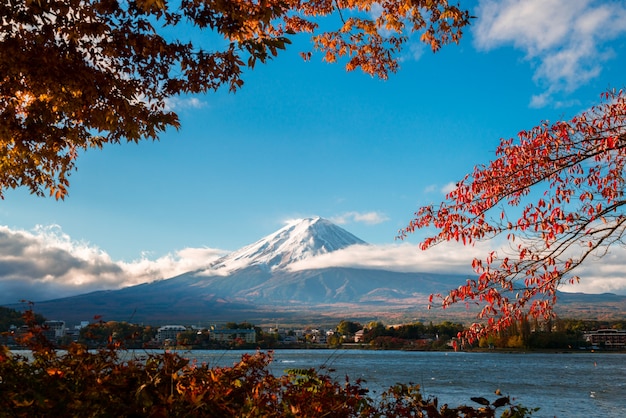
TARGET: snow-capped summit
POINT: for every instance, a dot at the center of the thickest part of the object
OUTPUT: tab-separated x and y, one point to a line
296	241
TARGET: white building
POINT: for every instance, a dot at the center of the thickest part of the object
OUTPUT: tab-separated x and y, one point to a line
54	329
169	332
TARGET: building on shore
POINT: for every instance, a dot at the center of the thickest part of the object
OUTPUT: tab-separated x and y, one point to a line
231	335
54	330
169	333
607	338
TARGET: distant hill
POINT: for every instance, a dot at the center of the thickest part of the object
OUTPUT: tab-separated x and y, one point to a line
256	284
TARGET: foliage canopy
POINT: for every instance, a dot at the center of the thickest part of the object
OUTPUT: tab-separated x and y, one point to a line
577	169
79	74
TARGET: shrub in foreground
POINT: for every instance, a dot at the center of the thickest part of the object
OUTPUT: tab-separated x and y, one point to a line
111	382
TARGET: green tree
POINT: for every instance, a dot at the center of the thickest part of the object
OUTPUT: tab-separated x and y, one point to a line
80	74
130	335
411	331
10	317
447	329
373	330
242	325
348	327
334	340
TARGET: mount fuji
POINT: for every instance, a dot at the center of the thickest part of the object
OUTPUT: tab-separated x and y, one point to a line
257	283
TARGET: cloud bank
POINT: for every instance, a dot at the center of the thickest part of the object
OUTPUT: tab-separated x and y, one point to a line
397	257
566	41
46	264
600	275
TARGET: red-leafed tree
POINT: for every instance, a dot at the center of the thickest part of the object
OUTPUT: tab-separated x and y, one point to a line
579	165
78	74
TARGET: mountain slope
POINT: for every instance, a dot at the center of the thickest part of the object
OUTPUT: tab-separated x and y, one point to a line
251	294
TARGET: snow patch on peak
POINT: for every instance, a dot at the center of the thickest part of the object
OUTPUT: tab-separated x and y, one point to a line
298	240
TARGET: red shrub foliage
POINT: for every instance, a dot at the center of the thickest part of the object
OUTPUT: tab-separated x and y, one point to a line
112	382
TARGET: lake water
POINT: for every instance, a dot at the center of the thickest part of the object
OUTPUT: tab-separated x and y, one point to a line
563	384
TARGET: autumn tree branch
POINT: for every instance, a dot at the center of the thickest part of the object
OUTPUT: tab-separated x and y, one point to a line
79	74
579	165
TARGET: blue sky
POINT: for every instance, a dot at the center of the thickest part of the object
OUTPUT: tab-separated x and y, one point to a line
307	138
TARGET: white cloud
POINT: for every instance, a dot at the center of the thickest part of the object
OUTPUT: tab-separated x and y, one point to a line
602	275
540	100
414	51
46	264
370	218
544	99
448	188
444	190
448	258
565	40
178	103
169	265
